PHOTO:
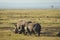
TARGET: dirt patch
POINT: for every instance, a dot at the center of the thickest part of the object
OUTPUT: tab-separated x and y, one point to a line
6	28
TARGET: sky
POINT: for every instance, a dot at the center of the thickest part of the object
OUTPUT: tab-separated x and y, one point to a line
28	4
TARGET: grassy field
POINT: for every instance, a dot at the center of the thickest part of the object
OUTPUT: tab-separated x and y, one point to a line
48	18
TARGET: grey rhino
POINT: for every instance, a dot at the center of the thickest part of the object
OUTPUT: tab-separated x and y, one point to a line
20	26
37	28
33	28
27	27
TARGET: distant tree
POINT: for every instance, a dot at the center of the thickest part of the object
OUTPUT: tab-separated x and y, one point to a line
52	6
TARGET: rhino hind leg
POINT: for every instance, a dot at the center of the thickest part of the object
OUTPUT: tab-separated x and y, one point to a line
30	32
38	34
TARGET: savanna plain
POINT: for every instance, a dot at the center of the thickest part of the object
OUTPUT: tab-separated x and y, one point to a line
49	20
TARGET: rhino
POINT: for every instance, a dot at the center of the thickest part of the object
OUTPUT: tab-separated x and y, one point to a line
33	28
20	26
37	28
27	27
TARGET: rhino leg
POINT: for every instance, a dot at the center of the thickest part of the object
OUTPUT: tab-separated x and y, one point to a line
25	30
30	32
16	30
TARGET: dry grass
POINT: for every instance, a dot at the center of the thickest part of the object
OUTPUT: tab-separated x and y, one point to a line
47	18
8	35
